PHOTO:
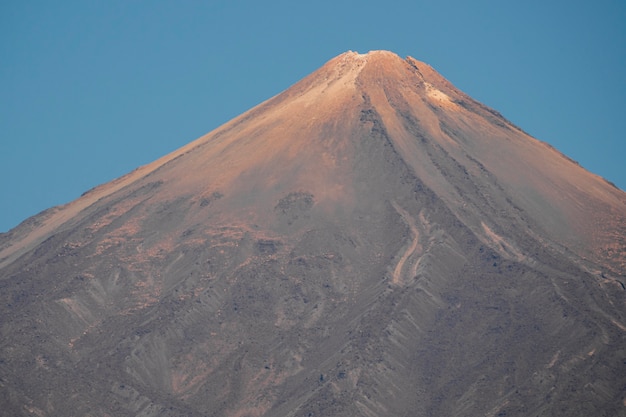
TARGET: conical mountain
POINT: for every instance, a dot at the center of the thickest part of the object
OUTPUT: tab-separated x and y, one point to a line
370	242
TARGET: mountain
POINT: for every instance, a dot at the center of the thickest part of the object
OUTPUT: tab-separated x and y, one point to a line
370	242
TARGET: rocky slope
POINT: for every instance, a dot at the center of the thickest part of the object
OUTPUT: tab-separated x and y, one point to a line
370	242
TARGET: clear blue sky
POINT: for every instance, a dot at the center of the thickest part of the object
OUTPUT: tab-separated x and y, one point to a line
90	90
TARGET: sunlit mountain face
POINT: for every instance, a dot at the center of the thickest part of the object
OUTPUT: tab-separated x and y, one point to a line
370	242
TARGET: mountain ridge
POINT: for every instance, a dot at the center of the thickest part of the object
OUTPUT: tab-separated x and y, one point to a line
371	241
350	62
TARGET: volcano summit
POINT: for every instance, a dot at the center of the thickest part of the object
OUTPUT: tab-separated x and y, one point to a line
370	242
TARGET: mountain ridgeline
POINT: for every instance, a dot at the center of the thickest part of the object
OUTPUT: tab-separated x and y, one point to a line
370	242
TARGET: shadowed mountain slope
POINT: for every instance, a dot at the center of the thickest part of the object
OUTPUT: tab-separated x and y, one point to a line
370	242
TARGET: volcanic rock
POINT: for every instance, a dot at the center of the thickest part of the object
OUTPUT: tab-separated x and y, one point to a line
370	242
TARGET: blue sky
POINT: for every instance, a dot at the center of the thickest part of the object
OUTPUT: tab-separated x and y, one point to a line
91	90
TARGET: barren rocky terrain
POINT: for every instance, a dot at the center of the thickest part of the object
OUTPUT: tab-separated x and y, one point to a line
370	242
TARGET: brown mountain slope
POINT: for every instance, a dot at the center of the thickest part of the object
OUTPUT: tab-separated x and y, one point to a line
371	241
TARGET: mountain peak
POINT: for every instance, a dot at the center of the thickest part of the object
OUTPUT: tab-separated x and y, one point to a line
371	241
291	142
372	53
387	58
